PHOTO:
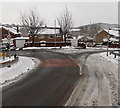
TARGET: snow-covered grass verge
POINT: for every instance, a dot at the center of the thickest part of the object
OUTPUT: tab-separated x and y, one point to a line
63	47
23	65
71	48
102	48
6	59
110	58
117	52
28	48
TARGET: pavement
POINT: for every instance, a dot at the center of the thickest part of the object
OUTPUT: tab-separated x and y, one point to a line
50	84
98	85
9	63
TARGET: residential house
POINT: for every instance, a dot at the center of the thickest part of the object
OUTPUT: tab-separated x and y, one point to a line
104	35
49	36
4	31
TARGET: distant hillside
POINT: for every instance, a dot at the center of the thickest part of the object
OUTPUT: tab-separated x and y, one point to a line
102	25
91	30
107	26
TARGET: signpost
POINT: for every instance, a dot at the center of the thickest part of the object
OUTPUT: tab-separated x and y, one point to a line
9	38
108	37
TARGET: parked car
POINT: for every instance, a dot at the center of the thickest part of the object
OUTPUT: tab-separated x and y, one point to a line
82	45
91	44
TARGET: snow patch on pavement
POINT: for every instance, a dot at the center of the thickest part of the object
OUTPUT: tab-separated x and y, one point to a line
100	87
108	68
23	65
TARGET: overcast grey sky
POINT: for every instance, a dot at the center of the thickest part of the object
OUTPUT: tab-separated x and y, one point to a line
83	12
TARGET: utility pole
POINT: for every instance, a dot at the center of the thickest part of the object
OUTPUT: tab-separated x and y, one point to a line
119	38
55	33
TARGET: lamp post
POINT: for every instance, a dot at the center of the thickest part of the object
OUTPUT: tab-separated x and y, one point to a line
55	33
107	46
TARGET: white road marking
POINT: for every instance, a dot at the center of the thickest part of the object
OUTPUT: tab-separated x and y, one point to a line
80	68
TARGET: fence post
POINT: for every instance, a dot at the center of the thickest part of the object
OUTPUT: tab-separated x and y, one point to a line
110	53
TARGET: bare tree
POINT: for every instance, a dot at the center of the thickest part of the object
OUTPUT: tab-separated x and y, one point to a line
32	23
65	22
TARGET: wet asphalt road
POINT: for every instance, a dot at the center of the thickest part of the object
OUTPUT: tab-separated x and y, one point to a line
50	84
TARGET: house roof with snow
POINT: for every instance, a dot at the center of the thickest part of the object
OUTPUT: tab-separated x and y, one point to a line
6	39
117	28
75	29
113	39
13	29
50	31
21	38
113	32
80	37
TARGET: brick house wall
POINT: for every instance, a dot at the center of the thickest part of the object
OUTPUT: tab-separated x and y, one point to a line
47	38
100	36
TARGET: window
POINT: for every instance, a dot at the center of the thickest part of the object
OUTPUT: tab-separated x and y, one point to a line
51	36
42	36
